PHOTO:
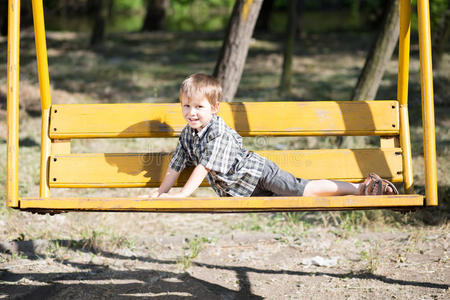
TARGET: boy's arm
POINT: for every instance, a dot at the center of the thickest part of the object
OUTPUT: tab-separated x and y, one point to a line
168	181
191	185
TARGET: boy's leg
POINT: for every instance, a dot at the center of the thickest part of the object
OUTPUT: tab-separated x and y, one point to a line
282	183
276	181
373	185
326	187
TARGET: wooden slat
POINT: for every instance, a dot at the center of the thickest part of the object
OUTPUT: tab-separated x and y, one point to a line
225	204
60	146
147	170
389	141
248	118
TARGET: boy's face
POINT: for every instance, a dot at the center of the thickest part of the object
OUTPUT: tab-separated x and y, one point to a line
197	111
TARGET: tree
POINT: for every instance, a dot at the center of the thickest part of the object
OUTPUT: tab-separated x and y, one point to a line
440	38
300	26
380	53
231	61
293	25
155	15
101	14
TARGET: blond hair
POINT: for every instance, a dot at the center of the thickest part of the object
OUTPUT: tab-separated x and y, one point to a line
201	85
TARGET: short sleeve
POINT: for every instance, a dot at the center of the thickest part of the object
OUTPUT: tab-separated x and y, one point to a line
220	153
179	158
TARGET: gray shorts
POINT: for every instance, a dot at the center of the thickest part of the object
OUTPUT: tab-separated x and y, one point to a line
276	182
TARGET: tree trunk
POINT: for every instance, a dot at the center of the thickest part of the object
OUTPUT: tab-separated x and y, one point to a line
440	39
379	55
233	54
301	33
101	14
156	15
286	74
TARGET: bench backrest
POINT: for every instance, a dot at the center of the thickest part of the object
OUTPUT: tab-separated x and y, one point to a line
364	118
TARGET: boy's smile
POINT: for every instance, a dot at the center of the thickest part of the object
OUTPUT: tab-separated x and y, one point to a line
197	111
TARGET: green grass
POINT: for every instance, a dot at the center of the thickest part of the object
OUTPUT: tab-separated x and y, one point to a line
191	249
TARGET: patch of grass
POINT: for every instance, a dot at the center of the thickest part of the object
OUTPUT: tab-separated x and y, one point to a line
93	240
371	258
19	255
55	248
192	249
21	237
98	240
120	241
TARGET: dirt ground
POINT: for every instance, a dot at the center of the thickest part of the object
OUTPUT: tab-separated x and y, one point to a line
225	256
213	256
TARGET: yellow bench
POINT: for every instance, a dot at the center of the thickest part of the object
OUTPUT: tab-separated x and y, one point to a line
112	170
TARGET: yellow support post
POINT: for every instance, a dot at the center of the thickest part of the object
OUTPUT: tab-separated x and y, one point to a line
402	93
426	81
12	156
44	84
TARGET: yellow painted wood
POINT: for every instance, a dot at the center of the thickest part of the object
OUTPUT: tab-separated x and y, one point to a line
61	146
12	105
389	142
402	93
44	189
248	118
147	170
225	204
405	143
44	85
41	53
403	51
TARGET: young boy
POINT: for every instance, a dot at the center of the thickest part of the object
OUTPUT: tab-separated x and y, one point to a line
217	154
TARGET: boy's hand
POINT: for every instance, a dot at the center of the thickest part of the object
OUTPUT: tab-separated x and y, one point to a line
154	194
174	195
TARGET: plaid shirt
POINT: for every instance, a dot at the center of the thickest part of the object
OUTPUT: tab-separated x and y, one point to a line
234	171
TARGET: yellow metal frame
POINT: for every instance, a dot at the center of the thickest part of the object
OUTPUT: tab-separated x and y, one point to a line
426	80
12	105
402	93
220	204
44	84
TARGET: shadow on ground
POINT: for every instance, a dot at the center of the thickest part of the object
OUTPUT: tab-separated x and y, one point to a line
144	280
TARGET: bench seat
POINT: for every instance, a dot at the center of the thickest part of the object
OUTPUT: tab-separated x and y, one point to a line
224	204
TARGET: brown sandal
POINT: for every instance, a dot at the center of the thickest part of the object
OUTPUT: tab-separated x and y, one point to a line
375	185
